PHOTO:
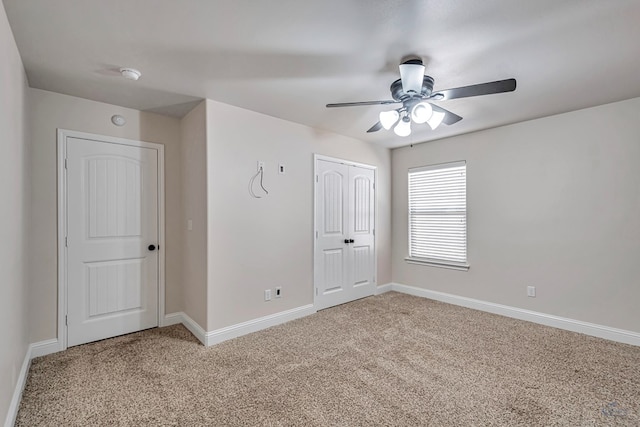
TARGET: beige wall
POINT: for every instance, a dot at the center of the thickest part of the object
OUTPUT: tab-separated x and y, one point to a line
194	208
14	215
553	203
255	244
49	111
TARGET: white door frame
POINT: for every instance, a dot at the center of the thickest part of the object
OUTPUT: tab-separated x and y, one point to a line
63	134
317	157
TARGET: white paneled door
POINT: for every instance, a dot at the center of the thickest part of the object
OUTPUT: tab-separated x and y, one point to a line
344	266
112	239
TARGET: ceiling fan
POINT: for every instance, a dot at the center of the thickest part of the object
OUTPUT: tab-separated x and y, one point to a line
414	90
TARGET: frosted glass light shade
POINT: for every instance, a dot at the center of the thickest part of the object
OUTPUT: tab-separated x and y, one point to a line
403	128
435	119
388	118
421	112
412	76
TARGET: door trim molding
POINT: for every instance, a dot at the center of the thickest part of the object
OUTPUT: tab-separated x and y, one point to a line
63	134
317	157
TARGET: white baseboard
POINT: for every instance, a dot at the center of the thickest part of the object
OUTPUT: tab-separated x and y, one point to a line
37	349
194	328
173	318
383	288
12	413
600	331
234	331
188	322
43	348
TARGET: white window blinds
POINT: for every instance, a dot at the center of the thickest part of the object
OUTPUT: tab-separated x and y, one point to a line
438	213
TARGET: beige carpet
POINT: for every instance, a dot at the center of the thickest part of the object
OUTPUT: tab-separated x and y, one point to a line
392	360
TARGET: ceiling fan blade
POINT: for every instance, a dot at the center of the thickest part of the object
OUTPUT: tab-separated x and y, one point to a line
356	104
499	86
375	128
449	117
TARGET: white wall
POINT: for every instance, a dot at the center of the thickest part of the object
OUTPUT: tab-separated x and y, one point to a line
194	208
49	111
14	215
552	203
255	244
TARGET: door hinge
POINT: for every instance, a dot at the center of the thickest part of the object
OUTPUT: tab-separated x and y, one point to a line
66	242
316	178
66	320
316	291
65	163
374	231
316	234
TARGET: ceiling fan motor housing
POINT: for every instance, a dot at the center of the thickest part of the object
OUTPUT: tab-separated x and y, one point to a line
398	94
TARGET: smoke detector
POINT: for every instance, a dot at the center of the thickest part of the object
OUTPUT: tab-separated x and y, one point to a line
130	73
118	120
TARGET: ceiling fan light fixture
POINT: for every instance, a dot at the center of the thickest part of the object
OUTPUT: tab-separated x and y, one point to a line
403	128
414	90
412	75
388	118
421	112
436	118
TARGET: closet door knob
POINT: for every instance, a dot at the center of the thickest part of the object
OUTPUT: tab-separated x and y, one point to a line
346	241
350	240
152	247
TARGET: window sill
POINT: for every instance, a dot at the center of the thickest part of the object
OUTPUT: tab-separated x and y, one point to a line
436	263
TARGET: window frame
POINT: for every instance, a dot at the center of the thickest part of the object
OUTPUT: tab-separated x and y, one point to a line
437	262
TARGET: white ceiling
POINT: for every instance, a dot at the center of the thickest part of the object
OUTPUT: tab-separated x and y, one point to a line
288	58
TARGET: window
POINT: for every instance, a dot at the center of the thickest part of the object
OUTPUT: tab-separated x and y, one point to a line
438	215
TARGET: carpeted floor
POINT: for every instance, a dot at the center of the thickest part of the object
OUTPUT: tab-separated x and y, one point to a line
392	360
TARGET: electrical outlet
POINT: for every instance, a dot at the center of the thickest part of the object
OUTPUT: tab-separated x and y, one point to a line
267	295
278	292
260	165
281	169
531	291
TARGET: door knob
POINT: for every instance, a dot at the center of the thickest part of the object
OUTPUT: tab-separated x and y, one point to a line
346	241
152	247
350	240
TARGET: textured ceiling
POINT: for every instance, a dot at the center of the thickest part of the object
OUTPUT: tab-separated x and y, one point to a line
288	58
